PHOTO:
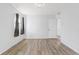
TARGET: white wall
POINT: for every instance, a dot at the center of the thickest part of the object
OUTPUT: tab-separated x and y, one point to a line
70	26
38	26
7	40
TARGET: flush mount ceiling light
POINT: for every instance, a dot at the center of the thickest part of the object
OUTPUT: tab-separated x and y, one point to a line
39	4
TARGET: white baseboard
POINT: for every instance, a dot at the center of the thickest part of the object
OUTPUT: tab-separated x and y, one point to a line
43	38
65	43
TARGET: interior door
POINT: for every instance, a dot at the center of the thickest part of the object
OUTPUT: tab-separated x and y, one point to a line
52	25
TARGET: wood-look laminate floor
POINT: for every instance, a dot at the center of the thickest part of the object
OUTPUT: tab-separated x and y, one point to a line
45	47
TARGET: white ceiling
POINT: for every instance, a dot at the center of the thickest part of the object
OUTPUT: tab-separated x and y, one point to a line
48	8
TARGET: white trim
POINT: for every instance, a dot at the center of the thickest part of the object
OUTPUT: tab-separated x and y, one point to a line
41	38
65	43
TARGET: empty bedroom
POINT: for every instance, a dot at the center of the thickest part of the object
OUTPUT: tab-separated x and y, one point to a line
39	28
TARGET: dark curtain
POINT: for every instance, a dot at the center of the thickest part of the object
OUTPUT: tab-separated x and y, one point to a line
16	31
22	26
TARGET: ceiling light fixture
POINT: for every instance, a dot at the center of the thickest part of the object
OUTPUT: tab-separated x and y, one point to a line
39	4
